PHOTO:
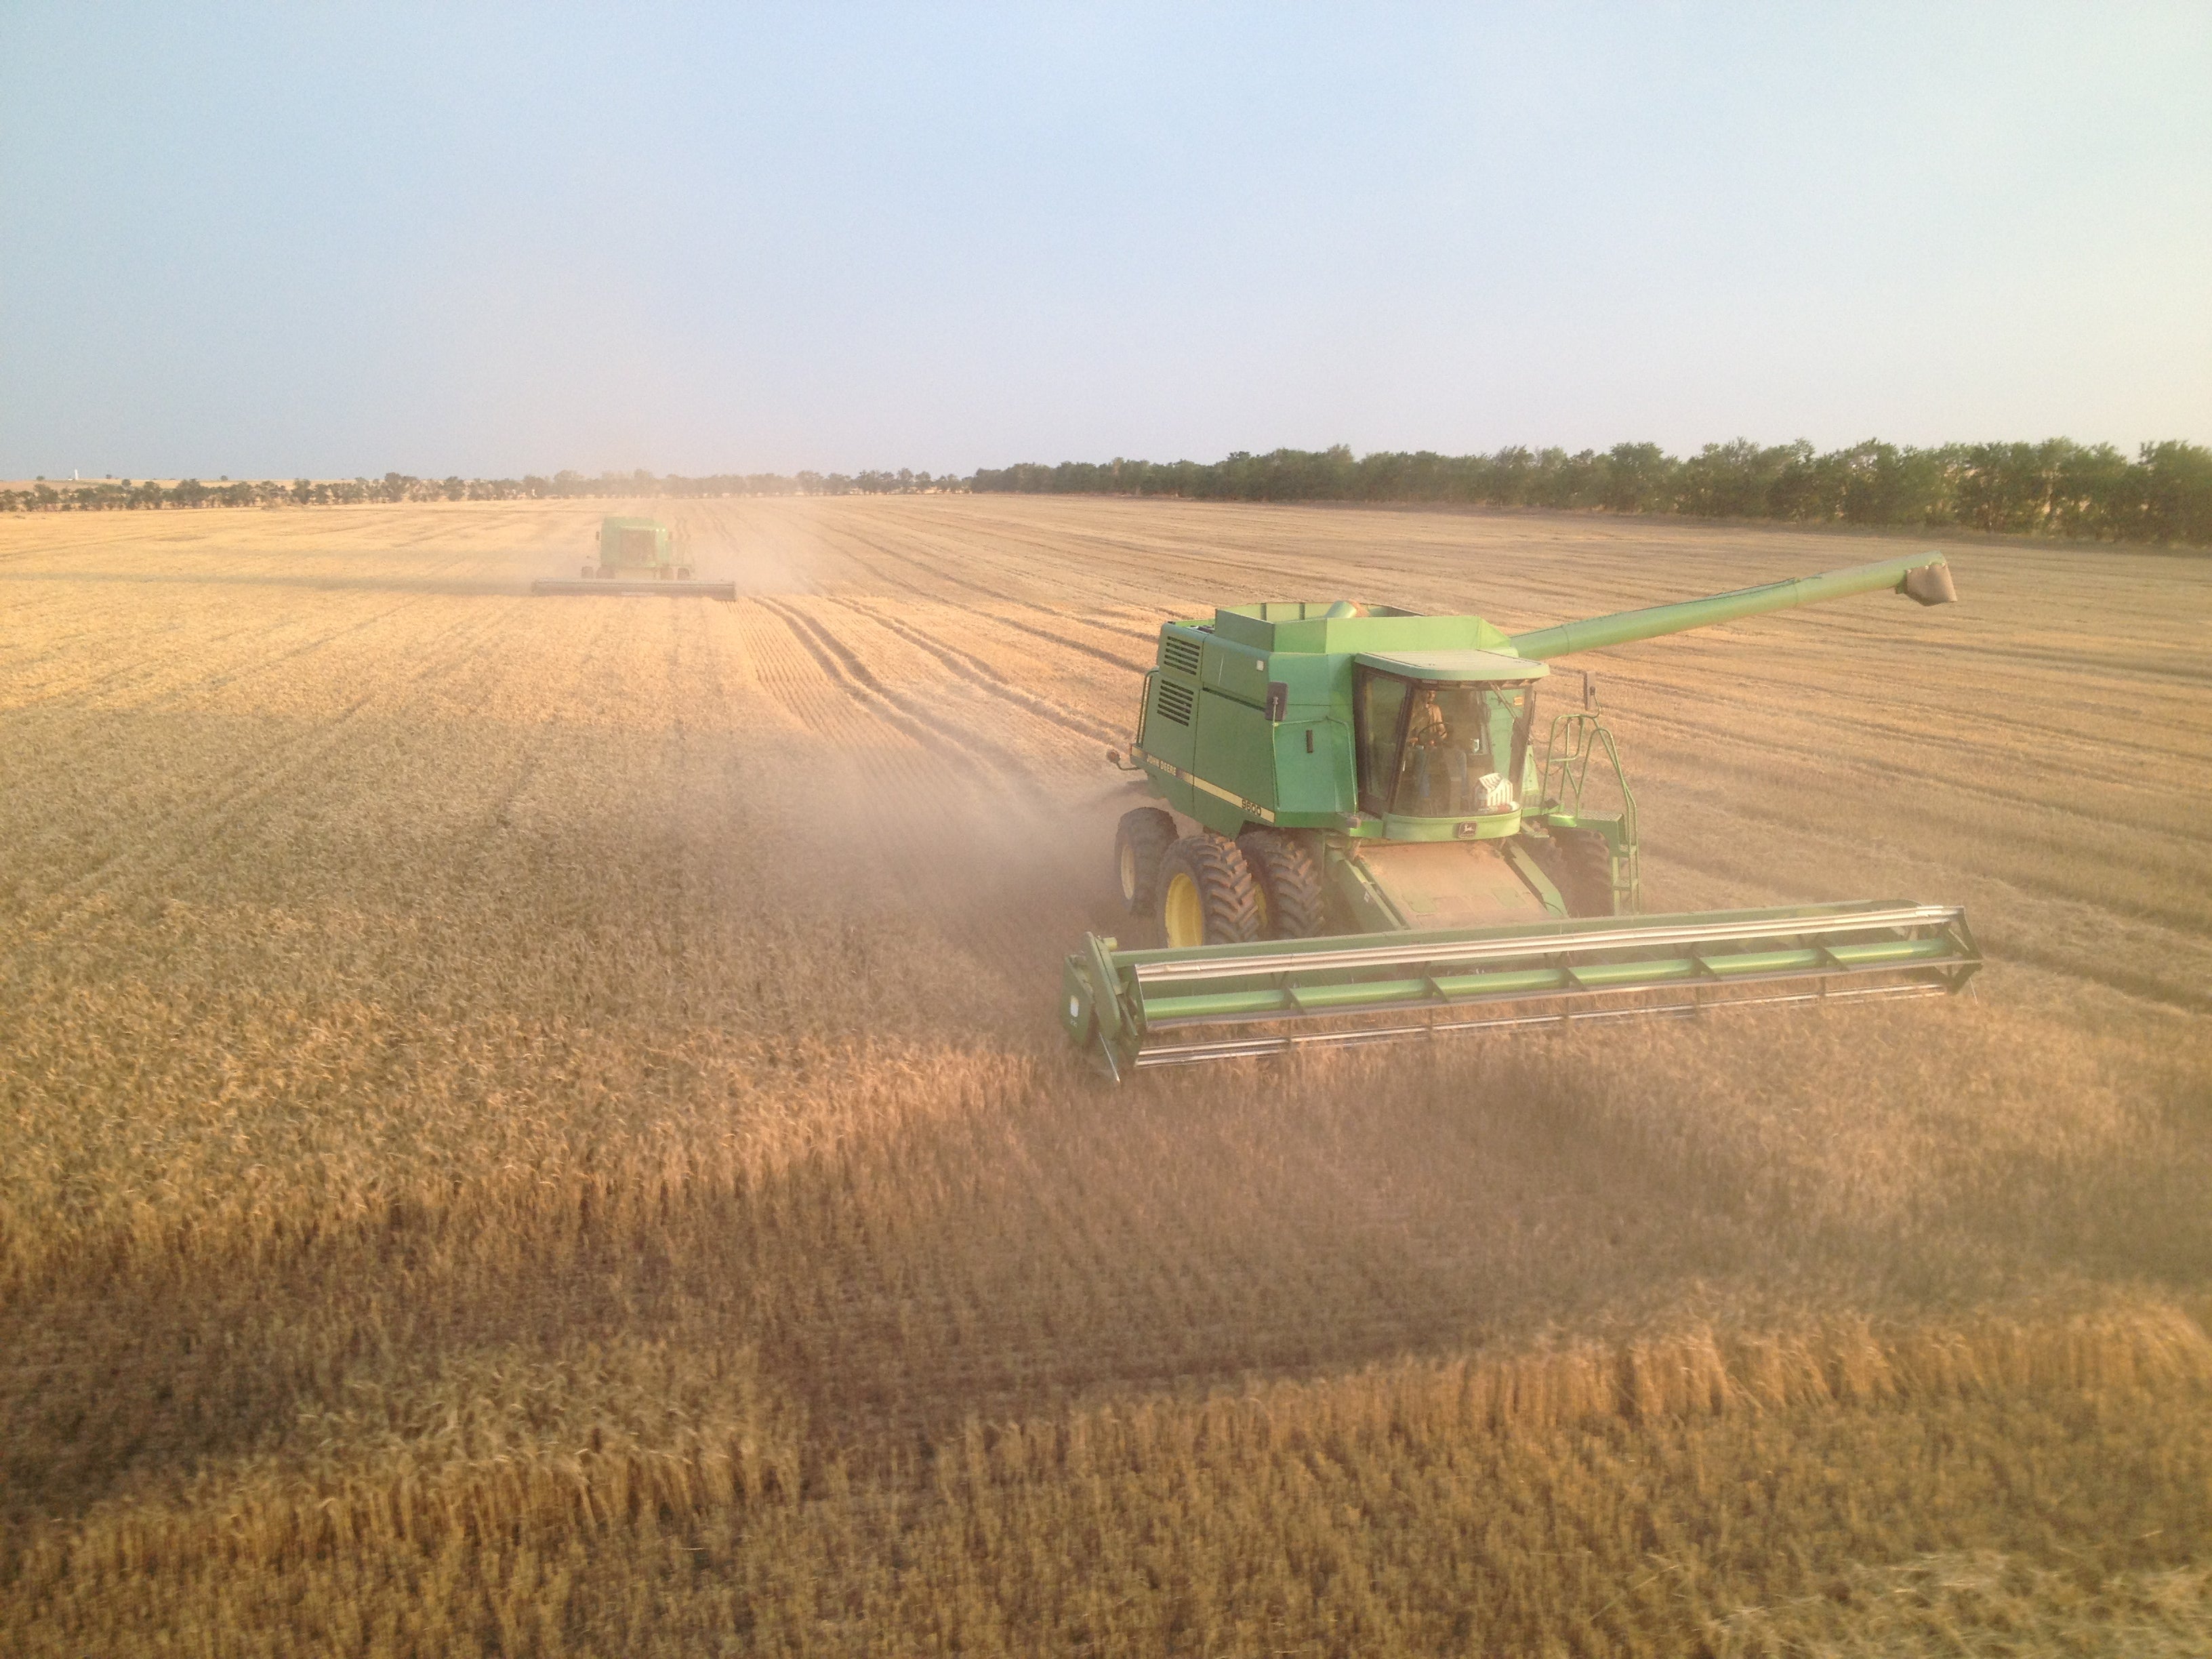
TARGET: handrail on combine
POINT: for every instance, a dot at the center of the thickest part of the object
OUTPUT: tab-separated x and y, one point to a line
1575	736
1585	732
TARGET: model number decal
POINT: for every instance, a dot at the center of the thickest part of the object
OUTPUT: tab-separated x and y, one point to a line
1262	813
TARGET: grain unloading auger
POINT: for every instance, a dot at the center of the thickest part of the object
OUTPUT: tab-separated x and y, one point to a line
1380	851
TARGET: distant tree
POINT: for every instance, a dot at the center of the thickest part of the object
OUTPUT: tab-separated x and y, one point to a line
2176	493
1638	479
2056	487
2095	494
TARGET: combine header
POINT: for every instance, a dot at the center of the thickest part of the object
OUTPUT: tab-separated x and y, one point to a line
637	556
1377	849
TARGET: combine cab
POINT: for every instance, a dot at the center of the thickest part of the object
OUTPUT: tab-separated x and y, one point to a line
1364	840
637	556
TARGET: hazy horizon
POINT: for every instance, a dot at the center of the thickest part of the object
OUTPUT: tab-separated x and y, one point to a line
263	244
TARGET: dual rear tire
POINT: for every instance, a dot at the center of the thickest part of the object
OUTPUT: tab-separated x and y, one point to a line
1289	876
1207	890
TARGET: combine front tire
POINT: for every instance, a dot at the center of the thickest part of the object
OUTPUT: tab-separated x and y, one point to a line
1207	894
1584	872
1291	894
1141	840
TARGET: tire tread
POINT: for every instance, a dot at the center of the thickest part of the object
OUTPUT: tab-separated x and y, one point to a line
1151	831
1284	865
1225	883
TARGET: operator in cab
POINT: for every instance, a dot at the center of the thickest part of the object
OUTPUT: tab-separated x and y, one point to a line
1426	727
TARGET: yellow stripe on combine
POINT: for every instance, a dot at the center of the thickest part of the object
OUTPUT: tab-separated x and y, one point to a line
1266	815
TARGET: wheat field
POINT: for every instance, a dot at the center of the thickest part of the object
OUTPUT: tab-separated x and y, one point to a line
538	1126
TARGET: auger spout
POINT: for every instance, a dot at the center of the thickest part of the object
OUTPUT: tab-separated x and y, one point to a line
1925	577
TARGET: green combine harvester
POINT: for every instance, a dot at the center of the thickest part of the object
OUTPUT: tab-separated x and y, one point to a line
1366	844
638	556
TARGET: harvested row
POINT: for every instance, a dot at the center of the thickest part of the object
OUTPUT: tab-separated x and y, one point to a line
540	1127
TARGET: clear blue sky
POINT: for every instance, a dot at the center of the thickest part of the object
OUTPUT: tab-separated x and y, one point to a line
489	240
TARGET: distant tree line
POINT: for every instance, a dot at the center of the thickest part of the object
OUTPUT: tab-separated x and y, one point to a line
110	495
2058	488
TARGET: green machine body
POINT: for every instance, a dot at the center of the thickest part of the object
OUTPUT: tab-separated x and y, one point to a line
1345	772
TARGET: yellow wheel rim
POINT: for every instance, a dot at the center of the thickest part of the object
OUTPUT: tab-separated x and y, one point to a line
1184	912
1260	906
1128	873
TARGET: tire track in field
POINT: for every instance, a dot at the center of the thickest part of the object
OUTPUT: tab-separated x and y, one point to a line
193	828
938	886
1002	598
1138	636
1665	683
786	671
991	761
2032	882
1016	553
132	675
1137	567
1126	664
143	673
792	680
2143	987
2106	664
189	832
2167	845
1684	738
976	671
2000	940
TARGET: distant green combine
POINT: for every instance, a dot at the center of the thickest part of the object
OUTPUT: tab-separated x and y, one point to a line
1333	768
637	547
638	556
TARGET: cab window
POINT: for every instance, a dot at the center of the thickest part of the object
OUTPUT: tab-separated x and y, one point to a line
1435	749
1378	725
